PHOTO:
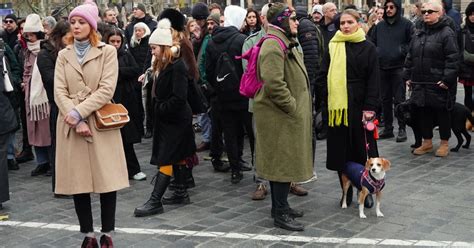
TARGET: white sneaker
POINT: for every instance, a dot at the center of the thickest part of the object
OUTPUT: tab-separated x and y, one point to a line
140	176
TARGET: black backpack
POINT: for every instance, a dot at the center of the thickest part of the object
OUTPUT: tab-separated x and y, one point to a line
227	81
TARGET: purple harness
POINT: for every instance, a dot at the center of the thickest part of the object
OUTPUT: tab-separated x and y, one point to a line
361	177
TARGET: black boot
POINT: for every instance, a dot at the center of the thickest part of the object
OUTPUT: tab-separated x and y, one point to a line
40	170
294	213
285	221
219	166
154	205
25	156
180	195
189	180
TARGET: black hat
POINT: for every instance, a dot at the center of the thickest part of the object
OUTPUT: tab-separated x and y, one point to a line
10	16
200	11
176	18
469	9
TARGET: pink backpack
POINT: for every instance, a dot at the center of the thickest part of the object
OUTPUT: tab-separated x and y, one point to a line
250	83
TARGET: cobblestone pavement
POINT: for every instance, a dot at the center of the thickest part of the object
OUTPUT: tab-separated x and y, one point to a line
427	201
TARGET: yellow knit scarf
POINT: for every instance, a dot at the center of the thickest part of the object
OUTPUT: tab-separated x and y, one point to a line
337	76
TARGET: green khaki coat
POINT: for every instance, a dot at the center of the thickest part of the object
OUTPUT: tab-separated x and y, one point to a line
282	112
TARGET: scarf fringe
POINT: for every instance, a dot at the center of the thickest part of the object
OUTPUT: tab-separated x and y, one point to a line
336	117
39	112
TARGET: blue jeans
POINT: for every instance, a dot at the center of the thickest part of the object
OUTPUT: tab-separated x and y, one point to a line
206	127
42	154
11	146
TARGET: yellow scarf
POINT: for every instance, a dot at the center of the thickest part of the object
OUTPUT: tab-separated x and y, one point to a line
337	76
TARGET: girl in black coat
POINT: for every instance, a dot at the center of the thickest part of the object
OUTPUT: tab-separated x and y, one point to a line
46	62
466	74
347	140
128	73
173	136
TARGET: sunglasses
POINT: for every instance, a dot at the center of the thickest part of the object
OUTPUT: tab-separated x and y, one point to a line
8	21
429	11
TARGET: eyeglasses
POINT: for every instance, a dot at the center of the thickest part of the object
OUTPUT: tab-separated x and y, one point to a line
390	7
429	11
8	21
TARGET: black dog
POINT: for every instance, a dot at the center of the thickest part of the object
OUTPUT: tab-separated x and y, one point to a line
406	111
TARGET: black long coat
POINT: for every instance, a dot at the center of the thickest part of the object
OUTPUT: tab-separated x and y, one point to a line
348	143
128	74
173	136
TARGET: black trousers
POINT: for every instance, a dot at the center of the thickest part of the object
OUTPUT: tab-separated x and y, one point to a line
137	90
279	193
468	97
108	202
26	144
52	151
4	188
393	93
233	123
428	115
133	166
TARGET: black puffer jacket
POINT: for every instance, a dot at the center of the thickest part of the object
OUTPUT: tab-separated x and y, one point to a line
227	39
392	37
432	57
311	42
467	51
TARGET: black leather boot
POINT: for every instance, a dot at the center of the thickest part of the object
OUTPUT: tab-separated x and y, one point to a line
180	195
294	213
189	180
285	221
154	205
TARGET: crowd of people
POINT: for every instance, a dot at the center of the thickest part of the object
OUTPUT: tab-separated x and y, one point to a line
326	75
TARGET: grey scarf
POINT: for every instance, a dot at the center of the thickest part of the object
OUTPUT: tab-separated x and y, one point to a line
82	47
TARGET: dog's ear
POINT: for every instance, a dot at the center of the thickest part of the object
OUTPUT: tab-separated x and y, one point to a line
367	163
386	164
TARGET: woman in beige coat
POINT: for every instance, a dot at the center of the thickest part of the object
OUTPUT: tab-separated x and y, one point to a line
87	161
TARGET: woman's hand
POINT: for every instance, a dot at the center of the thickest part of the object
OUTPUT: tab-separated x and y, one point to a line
442	85
368	115
83	129
141	78
71	120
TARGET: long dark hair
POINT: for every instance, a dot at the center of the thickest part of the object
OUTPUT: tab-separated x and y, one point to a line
61	29
114	31
246	29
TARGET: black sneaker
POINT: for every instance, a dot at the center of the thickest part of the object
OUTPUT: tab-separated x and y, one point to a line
219	166
40	170
13	165
236	177
402	135
244	166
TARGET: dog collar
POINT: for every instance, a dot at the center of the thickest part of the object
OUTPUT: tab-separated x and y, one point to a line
375	185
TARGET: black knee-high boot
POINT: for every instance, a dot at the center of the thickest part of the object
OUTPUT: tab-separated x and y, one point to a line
189	179
154	204
180	195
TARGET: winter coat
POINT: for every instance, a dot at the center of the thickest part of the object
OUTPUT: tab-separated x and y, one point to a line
140	52
46	64
453	14
346	144
10	38
227	39
282	114
432	57
95	164
15	74
311	42
129	71
173	136
148	20
466	71
38	131
392	39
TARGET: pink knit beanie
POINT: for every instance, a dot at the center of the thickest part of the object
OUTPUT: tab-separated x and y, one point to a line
88	11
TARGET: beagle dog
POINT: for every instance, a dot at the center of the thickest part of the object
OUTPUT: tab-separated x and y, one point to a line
369	180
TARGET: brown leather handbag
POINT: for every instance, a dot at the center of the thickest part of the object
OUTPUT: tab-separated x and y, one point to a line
111	116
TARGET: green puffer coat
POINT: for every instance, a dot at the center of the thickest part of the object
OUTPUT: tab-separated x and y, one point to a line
282	112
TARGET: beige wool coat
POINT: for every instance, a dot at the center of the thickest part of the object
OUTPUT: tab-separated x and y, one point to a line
94	164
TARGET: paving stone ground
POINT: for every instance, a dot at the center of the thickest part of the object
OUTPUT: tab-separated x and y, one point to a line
426	200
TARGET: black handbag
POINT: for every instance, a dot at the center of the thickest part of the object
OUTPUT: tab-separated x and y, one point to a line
196	99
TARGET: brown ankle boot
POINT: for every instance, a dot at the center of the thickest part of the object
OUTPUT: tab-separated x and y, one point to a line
443	149
426	146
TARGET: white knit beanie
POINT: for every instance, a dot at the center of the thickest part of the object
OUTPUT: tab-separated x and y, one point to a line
33	24
162	34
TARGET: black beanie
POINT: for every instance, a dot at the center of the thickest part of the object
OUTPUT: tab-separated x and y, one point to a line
10	16
200	11
176	18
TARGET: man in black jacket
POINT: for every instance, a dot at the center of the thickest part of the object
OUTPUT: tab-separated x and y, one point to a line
139	15
392	37
10	30
228	107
